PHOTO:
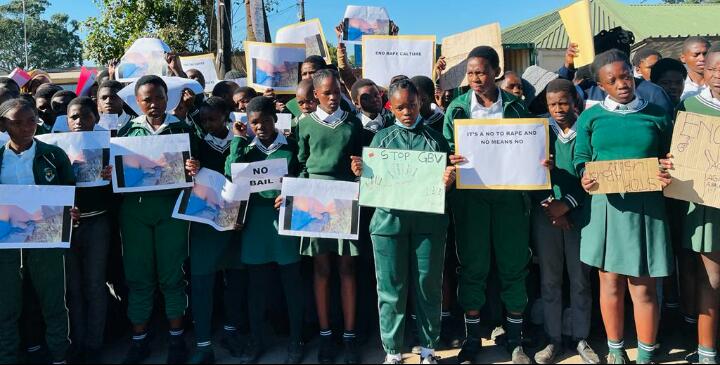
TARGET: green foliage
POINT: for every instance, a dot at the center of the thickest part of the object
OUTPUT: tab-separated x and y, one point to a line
179	23
52	43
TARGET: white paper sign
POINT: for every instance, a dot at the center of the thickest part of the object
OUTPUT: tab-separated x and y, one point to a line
150	163
284	122
320	208
89	153
4	138
214	201
364	20
146	56
388	56
35	216
262	175
61	124
204	63
175	85
502	154
109	121
274	65
309	33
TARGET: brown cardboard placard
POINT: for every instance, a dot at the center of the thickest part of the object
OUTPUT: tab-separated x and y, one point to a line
624	176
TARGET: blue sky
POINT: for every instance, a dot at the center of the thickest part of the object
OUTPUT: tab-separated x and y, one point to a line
438	17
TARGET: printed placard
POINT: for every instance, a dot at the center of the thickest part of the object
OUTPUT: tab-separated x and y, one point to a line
89	153
205	63
364	20
262	175
309	33
388	56
274	65
624	176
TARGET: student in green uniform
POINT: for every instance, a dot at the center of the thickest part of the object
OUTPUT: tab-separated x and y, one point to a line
242	97
43	97
312	65
701	226
263	250
212	250
88	255
225	90
489	220
26	161
409	247
155	245
327	138
626	236
556	235
305	98
429	111
368	101
109	102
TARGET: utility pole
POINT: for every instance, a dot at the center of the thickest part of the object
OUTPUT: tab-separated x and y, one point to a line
224	41
25	37
301	10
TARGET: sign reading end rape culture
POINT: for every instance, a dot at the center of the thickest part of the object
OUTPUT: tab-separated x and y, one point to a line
502	154
387	56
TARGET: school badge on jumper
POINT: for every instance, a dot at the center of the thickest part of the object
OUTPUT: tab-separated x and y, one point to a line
49	174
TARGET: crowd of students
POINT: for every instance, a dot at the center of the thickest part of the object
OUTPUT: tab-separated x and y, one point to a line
425	268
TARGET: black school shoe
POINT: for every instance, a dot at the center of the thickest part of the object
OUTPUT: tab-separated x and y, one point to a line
204	355
253	350
234	344
326	352
138	352
295	353
469	351
352	354
177	350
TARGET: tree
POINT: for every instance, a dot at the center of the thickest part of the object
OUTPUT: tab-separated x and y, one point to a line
52	43
182	24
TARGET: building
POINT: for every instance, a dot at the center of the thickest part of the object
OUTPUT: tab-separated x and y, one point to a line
543	40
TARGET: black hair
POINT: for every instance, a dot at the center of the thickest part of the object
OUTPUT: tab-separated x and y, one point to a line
261	104
644	53
402	85
425	84
355	89
223	88
323	74
583	73
150	80
606	58
46	91
307	83
217	103
397	78
64	94
250	92
234	74
316	61
666	65
486	52
562	85
714	48
11	85
16	103
615	38
85	102
113	85
689	41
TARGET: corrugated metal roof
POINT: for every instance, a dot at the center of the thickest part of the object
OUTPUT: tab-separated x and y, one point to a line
645	21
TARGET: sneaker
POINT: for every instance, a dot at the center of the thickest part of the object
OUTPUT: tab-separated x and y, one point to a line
692	358
138	352
392	361
203	356
432	359
587	354
548	354
469	351
234	344
177	350
352	355
707	360
519	357
499	336
253	350
417	349
617	359
326	352
295	353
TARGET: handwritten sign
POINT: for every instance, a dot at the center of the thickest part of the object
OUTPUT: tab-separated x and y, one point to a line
403	180
502	154
624	176
455	49
263	175
696	158
388	56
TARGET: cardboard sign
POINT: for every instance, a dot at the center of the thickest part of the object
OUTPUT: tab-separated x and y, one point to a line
455	49
262	175
309	33
388	56
274	65
403	180
624	176
205	63
502	154
696	159
576	19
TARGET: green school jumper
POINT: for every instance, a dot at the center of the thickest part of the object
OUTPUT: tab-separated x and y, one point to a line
624	233
155	245
490	221
701	226
324	153
44	267
294	109
409	251
261	242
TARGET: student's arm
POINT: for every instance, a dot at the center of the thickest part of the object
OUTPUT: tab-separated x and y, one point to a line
346	70
449	126
293	164
303	151
237	146
583	147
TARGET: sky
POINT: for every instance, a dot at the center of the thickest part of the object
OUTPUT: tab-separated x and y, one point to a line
438	17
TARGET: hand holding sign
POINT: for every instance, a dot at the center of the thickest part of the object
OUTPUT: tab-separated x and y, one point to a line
263	175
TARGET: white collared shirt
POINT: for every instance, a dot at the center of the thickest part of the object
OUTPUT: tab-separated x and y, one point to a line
478	111
169	119
612	105
279	141
219	144
372	124
563	136
707	98
333	118
17	169
690	89
123	119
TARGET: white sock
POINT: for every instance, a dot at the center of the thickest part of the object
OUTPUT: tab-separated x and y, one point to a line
425	352
391	357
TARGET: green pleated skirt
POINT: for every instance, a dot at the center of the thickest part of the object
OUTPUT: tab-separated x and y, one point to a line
261	242
701	229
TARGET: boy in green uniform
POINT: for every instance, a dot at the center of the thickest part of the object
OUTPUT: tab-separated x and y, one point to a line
368	101
429	111
489	221
155	245
625	236
701	226
409	247
263	250
26	161
555	235
305	97
327	138
212	250
108	101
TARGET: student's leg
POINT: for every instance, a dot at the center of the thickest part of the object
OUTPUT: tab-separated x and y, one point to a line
292	286
171	250
258	284
647	315
612	307
321	279
580	289
427	258
549	245
348	285
47	269
391	272
95	268
11	293
709	300
236	303
76	284
688	267
204	253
